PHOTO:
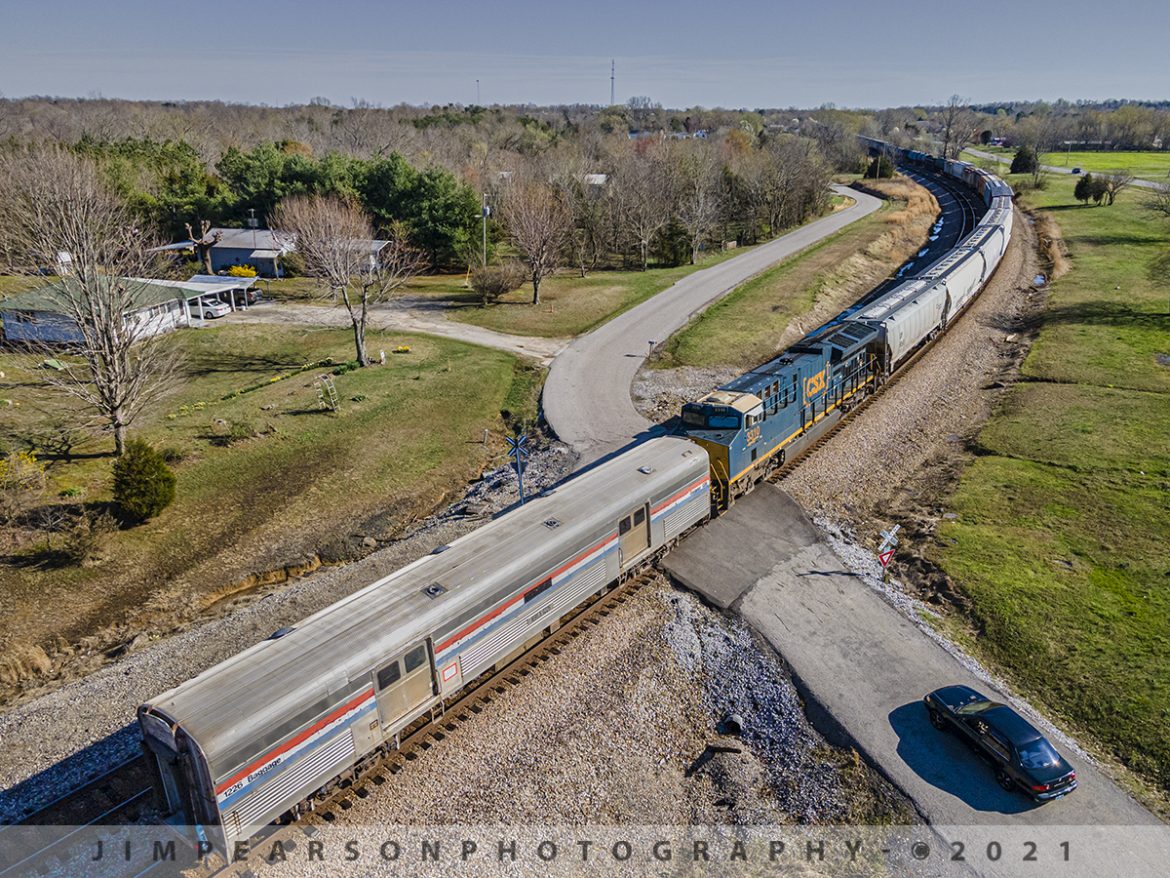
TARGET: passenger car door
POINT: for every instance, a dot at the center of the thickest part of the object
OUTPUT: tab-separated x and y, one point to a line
404	684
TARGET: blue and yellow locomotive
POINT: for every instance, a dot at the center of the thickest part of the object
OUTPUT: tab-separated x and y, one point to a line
750	425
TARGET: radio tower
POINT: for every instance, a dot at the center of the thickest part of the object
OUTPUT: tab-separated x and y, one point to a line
611	99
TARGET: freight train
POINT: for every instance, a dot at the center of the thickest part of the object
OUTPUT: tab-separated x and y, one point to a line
265	733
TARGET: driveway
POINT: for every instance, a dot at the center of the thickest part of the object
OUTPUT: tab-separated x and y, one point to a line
587	395
863	667
406	315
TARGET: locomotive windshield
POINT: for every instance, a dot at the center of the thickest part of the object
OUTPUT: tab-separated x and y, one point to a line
709	418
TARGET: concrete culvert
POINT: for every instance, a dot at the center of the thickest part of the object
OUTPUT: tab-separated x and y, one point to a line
732	724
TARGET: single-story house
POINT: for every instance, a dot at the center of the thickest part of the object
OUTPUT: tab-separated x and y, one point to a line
259	248
40	315
262	249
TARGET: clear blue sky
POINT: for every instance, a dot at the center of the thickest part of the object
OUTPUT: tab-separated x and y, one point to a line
678	52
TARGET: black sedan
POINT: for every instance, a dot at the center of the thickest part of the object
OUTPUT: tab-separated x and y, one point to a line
1022	757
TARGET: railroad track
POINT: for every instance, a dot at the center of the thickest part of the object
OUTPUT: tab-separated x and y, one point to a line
792	463
424	734
119	795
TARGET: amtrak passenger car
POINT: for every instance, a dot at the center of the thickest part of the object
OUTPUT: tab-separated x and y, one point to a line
251	738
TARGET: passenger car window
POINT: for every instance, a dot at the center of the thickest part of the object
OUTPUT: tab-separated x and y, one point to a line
639	516
389	675
624	525
416	658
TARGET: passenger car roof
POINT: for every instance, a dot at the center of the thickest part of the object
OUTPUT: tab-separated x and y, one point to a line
232	702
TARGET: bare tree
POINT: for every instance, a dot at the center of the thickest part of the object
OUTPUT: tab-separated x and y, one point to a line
644	196
335	239
700	194
960	125
1158	199
203	242
539	224
1114	183
53	203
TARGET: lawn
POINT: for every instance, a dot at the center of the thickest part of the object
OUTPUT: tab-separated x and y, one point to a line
1061	540
569	304
307	483
1149	165
763	314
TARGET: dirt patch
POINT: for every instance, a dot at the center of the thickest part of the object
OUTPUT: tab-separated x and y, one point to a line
897	461
1051	245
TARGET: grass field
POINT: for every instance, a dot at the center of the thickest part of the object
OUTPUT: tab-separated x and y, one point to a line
307	482
1061	540
569	304
762	315
1147	165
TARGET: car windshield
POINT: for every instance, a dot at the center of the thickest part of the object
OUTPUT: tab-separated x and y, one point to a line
1038	754
976	707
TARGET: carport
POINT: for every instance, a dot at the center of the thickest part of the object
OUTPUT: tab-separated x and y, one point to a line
200	286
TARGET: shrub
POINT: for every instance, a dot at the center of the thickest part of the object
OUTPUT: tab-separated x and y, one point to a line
143	483
22	482
172	454
86	537
881	166
493	281
231	432
292	264
241	271
1025	161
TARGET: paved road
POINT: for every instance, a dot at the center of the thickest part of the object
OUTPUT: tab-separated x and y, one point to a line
863	668
587	395
1006	160
408	315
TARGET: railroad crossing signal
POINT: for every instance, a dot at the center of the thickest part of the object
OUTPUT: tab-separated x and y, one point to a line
889	541
518	449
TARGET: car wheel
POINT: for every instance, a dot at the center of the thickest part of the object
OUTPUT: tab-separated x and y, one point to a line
938	720
1005	780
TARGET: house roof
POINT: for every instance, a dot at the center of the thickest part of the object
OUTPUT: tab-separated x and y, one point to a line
145	294
252	239
269	243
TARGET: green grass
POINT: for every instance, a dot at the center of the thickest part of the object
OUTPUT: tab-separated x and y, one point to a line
570	304
1148	165
406	434
743	327
1063	517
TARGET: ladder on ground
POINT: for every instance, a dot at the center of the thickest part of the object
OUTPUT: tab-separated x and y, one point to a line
327	393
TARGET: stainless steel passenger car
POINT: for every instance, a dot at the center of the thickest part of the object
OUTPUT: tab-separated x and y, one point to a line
250	738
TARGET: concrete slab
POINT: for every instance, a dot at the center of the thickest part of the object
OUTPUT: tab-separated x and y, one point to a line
735	551
863	668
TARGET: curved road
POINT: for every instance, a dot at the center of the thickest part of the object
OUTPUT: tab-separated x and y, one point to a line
587	395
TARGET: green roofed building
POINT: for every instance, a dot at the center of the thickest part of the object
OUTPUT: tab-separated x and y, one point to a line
42	315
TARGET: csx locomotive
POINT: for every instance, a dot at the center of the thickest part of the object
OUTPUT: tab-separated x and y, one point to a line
264	732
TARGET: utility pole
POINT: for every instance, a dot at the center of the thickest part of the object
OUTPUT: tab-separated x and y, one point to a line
477	92
485	212
611	92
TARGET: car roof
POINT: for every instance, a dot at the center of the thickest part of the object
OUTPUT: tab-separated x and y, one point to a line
1013	726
